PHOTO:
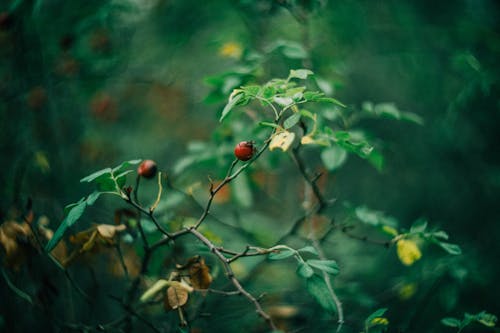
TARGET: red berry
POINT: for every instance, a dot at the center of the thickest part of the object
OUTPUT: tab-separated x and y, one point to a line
147	169
244	150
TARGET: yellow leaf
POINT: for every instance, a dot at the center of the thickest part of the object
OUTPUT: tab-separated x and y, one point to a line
307	140
408	251
389	230
380	321
42	162
282	140
407	290
231	50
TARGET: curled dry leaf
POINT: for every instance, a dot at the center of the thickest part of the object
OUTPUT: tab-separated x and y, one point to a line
282	140
109	231
177	295
13	240
199	274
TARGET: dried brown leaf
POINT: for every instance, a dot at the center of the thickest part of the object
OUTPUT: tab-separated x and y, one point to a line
177	296
199	274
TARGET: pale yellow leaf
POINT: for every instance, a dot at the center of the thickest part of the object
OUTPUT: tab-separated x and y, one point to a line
282	140
408	251
109	231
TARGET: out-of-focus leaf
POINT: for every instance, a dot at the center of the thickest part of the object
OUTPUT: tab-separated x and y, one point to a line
282	254
308	249
408	251
451	322
304	270
451	248
374	217
291	121
299	74
329	266
487	319
317	287
333	157
418	226
109	231
377	313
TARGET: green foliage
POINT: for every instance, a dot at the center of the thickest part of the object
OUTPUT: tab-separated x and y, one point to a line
483	318
108	180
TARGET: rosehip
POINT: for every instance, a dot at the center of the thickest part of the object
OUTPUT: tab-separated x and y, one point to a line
244	150
147	169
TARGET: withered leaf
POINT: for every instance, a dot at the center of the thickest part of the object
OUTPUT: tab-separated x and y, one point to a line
199	274
177	296
109	231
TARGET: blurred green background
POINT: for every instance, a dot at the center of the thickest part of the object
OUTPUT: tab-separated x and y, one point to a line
87	84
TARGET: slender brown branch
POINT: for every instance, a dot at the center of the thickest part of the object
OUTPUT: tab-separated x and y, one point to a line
230	275
346	231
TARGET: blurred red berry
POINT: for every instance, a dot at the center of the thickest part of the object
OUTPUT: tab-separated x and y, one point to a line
147	169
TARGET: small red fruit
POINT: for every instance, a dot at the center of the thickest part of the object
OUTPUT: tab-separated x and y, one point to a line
147	169
244	150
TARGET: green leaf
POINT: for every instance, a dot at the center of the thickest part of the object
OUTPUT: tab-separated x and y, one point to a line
234	98
74	214
97	174
283	101
451	248
106	183
331	100
299	74
374	217
317	287
251	90
293	50
329	266
451	322
292	120
378	313
268	124
418	226
282	254
91	199
487	319
125	165
122	177
333	157
304	270
440	234
308	249
412	118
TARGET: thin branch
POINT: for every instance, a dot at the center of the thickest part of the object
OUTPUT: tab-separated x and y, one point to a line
346	231
16	290
231	276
